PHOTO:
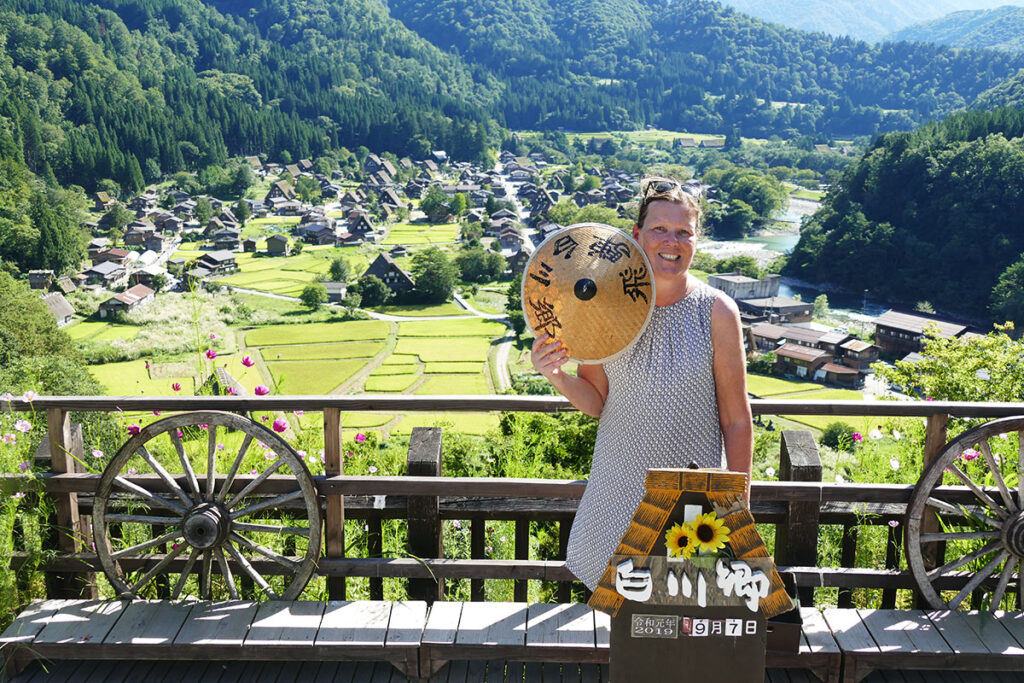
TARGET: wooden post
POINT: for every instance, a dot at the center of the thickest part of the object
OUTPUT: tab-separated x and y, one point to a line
796	541
425	540
72	531
477	536
334	520
564	587
933	554
375	548
519	587
849	559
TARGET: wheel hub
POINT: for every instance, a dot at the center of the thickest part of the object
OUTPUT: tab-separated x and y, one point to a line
206	525
1013	534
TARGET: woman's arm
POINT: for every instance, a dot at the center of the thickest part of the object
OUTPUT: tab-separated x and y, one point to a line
730	370
587	391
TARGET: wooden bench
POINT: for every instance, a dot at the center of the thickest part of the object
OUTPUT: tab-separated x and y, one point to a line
416	639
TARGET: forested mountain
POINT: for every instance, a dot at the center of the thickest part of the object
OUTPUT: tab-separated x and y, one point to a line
1000	29
695	65
870	20
936	214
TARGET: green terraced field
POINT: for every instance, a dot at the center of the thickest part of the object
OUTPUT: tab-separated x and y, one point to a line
401	359
390	383
465	423
425	310
760	385
404	369
312	376
130	378
364	350
431	349
310	333
468	327
454	368
101	331
404	233
453	384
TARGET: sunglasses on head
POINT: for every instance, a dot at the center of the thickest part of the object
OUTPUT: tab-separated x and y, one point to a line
650	186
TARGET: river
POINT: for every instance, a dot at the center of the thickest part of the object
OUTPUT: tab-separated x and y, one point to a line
766	247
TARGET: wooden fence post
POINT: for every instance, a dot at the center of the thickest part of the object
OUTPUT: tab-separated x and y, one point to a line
425	539
796	541
334	520
73	532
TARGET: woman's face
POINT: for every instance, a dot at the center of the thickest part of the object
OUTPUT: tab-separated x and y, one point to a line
668	237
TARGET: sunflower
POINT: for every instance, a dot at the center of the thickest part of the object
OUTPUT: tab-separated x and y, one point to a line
709	533
680	541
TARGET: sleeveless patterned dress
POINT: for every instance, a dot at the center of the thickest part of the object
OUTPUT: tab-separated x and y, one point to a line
661	411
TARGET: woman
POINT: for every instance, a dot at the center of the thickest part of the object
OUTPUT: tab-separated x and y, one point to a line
677	397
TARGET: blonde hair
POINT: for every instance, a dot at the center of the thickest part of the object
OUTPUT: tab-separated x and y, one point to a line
675	195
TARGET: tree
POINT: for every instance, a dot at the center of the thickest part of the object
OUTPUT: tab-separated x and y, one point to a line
479	265
338	271
307	188
735	220
591	182
434	274
242	179
372	290
434	204
514	304
242	211
159	282
742	264
1008	294
203	211
563	212
458	205
313	295
821	306
118	217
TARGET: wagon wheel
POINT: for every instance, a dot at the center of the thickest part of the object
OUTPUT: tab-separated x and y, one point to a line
981	526
207	531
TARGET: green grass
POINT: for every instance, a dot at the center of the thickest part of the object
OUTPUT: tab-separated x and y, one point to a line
310	333
469	327
130	378
760	385
401	359
455	348
453	384
455	367
390	383
312	376
423	310
421	234
357	420
813	195
323	351
488	302
404	369
467	423
101	331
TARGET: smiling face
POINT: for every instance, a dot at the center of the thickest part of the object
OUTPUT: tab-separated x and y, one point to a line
669	238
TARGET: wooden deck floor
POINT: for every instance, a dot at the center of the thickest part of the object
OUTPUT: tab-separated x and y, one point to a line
382	672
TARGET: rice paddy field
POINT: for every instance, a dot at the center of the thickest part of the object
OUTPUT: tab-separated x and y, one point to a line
422	234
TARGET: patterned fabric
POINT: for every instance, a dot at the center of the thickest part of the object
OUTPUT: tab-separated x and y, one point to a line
661	411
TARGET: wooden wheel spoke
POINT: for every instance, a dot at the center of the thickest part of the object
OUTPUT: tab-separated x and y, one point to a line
222	494
226	571
138	490
976	490
978	578
186	464
142	519
272	529
211	461
958	536
1004	579
157	568
266	552
255	483
167	478
248	568
269	503
206	576
966	559
145	545
180	583
953	509
997	475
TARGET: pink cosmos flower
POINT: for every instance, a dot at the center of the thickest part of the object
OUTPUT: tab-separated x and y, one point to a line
261	390
176	386
349	454
19	494
23	426
248	362
211	354
202	426
373	469
269	455
9	439
264	418
301	454
132	470
97	453
24	465
212	336
220	447
970	454
297	413
857	438
180	434
174	546
489	549
893	523
457	524
280	425
29	396
147	365
7	396
232	391
253	471
134	428
157	412
360	437
929	399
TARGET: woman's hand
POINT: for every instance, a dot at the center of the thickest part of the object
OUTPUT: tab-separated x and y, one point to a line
548	355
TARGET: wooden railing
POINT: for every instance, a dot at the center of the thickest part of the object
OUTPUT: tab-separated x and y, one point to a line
798	506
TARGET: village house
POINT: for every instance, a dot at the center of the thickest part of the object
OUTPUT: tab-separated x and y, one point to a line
282	189
713	143
155	242
336	291
742	287
511	237
249	245
59	307
385	268
137	233
898	334
40	279
103	202
114	254
277	245
776	309
109	274
360	226
144	202
127	301
96	245
217	262
801	361
859	354
147	276
65	285
517	260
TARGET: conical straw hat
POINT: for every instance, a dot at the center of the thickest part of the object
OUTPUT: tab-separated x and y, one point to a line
590	286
